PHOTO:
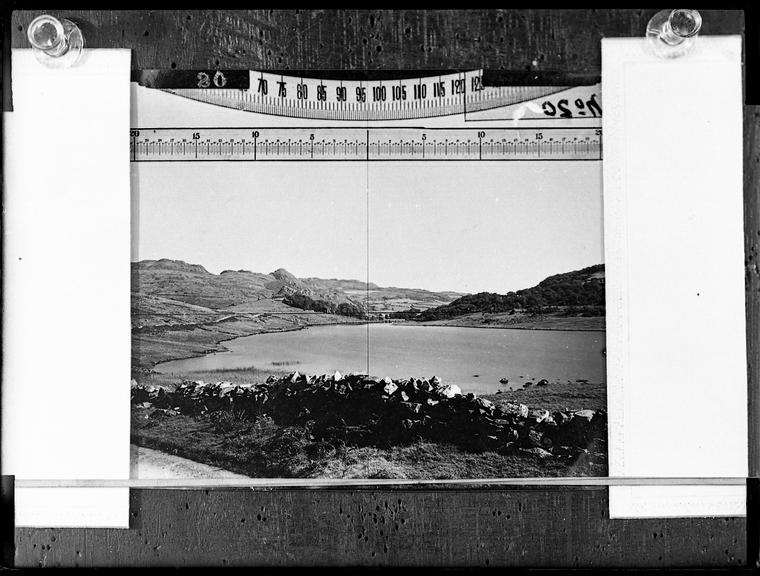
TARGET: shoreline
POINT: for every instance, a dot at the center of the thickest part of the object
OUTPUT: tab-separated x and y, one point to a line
503	327
226	350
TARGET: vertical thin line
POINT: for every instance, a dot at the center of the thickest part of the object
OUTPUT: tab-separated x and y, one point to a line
366	304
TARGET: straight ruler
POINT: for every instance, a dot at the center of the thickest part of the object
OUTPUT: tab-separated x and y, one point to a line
362	144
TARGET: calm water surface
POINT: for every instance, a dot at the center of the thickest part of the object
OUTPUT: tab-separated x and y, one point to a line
474	358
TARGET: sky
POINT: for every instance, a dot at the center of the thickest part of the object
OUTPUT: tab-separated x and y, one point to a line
461	226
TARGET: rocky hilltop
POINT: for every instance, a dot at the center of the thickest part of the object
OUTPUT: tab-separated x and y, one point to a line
193	284
166	264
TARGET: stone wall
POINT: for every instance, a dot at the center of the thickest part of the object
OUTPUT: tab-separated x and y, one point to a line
363	410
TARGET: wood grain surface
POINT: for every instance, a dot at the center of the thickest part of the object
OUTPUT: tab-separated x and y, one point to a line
523	527
546	40
511	527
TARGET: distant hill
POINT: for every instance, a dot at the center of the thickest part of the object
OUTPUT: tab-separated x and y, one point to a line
578	289
343	284
175	265
172	288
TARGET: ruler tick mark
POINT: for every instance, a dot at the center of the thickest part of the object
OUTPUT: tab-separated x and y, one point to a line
381	143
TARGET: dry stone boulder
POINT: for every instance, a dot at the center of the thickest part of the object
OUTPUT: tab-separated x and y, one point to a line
538	415
448	391
518	410
585	414
390	388
531	439
537	452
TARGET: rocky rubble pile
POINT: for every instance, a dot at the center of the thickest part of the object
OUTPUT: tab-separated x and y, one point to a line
365	410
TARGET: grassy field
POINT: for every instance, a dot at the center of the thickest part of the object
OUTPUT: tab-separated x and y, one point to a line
561	396
244	375
260	448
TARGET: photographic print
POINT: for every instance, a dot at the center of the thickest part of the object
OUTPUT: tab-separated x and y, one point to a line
367	300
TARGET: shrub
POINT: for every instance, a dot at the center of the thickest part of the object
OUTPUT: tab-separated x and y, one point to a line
228	421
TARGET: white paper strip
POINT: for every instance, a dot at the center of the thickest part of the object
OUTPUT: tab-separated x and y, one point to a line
67	297
676	354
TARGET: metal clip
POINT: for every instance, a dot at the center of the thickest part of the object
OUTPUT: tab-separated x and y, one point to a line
55	43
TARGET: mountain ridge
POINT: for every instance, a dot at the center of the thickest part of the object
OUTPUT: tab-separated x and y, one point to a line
193	284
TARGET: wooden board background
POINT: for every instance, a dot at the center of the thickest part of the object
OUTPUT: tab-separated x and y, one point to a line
527	527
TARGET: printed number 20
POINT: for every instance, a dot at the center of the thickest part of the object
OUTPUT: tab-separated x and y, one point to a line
204	80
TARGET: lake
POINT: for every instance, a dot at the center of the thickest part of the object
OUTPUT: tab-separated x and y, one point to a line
473	358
